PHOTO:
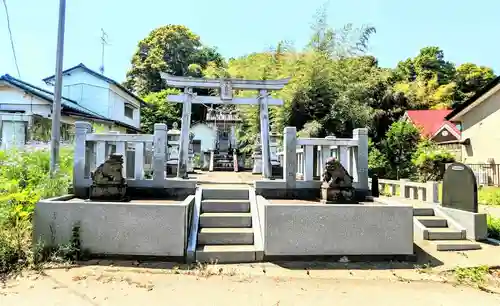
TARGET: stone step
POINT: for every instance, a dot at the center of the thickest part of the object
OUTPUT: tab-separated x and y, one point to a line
221	236
423	211
225	253
229	206
445	233
456	245
225	194
223	168
432	221
225	219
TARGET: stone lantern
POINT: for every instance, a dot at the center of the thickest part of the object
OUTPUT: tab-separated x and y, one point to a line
274	137
190	164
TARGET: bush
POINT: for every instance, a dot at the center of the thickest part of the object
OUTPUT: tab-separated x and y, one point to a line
24	181
430	161
493	227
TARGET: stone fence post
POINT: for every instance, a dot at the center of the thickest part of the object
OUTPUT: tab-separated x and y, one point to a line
432	192
159	156
404	192
361	159
81	131
290	156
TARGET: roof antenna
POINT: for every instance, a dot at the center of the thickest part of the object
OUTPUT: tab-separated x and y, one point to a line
104	42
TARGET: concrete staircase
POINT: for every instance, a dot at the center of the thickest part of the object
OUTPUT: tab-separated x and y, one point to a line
226	232
223	162
438	230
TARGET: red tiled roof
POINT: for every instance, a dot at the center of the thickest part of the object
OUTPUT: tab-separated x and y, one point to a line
430	121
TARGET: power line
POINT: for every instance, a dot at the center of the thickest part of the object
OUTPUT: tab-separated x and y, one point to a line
11	37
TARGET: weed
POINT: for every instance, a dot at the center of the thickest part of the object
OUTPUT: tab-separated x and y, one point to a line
475	276
23	182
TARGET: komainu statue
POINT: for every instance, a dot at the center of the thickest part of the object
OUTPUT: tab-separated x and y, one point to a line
337	183
108	182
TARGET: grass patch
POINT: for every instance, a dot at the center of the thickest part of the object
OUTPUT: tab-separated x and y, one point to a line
24	180
475	276
489	195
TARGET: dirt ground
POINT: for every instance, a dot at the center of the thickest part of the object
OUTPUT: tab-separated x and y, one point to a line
234	285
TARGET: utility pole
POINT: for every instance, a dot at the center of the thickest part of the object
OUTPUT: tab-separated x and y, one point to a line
104	42
56	107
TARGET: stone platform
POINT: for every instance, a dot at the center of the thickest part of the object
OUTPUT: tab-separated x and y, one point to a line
229	177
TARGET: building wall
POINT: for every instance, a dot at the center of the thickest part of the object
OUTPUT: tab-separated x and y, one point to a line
481	125
87	90
205	134
100	96
118	99
13	99
27	105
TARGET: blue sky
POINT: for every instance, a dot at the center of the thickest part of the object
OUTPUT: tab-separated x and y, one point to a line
467	31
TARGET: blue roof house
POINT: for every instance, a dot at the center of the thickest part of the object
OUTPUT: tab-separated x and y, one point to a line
25	109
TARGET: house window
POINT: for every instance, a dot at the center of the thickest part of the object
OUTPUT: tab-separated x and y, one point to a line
129	112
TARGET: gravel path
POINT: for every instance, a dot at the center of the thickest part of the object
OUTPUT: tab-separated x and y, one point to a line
101	286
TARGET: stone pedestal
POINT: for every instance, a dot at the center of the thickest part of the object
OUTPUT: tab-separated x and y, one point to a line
336	195
206	161
257	164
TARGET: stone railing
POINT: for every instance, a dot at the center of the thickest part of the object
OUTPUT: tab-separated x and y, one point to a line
92	149
303	158
404	188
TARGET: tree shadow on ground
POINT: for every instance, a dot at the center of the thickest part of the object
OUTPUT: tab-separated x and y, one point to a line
420	258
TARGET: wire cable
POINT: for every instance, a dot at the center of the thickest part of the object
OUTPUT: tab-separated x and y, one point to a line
11	37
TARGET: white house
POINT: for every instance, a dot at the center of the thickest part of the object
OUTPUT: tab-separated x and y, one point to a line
102	95
25	109
205	136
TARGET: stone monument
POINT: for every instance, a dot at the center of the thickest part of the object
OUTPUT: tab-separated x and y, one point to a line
108	183
460	188
337	184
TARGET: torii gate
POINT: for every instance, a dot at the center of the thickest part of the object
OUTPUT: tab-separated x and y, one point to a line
226	87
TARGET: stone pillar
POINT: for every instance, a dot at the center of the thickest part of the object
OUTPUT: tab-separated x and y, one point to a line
264	133
257	157
290	156
211	163
404	191
233	136
79	184
362	157
159	155
308	163
184	141
325	154
432	192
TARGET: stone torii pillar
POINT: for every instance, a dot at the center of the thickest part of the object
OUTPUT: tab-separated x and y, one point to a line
185	126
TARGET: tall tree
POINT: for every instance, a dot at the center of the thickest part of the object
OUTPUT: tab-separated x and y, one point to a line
173	49
470	78
159	110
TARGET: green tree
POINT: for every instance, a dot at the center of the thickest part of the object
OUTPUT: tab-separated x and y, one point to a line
398	147
470	78
159	110
173	49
